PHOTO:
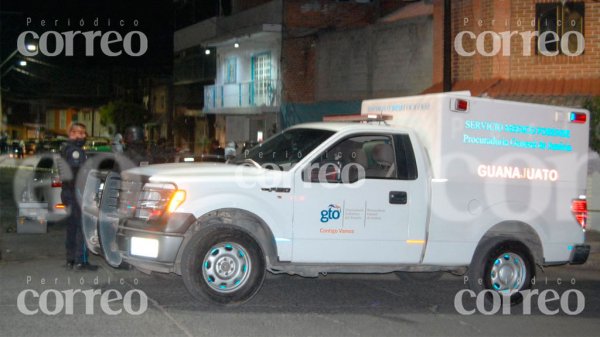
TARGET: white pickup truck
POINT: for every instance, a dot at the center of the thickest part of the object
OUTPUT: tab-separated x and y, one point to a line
448	182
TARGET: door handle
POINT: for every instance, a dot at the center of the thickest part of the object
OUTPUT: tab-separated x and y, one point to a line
398	198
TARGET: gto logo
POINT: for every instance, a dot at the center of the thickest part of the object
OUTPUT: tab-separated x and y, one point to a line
112	43
333	212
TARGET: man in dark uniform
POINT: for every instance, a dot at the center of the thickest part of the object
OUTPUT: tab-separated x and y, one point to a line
135	147
74	158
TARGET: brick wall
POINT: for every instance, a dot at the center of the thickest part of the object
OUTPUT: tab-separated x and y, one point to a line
478	16
242	5
327	14
303	21
382	60
561	66
299	69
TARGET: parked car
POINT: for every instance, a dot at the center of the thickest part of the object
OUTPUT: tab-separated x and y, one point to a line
17	149
52	145
97	144
38	180
31	146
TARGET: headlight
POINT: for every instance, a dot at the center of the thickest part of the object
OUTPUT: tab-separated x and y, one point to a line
157	198
144	247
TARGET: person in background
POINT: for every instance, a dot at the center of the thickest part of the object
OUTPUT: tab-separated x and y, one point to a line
74	158
117	143
230	150
3	143
22	149
216	149
135	147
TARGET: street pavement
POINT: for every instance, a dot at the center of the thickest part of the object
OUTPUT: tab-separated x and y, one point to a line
332	305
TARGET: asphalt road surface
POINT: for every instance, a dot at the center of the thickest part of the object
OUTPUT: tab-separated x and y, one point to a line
332	305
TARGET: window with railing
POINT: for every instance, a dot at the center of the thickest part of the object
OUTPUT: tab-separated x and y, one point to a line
560	27
241	95
261	76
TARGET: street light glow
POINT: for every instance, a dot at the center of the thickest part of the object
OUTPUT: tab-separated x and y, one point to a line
207	51
236	45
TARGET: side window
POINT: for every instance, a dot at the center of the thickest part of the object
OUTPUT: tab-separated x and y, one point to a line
405	158
355	158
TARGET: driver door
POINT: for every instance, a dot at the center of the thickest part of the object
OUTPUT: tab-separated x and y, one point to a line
353	204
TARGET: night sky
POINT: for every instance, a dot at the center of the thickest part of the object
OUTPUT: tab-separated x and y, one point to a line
81	75
154	18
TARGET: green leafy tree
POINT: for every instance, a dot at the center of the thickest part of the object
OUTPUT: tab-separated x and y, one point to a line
594	106
123	114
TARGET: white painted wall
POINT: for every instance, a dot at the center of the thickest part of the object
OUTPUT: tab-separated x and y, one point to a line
244	56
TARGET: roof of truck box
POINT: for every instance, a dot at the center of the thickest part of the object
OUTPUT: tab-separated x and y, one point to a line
337	127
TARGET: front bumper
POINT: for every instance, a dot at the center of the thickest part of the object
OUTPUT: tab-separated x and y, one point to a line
168	238
579	254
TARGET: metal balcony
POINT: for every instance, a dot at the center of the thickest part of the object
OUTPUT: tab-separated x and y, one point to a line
263	93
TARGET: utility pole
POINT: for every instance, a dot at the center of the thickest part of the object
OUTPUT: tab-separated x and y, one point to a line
447	81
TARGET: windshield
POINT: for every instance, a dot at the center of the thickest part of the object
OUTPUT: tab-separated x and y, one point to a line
285	149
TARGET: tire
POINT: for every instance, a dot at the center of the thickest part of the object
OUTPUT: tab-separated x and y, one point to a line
506	267
223	266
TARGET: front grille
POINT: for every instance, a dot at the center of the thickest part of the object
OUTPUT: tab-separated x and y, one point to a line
129	194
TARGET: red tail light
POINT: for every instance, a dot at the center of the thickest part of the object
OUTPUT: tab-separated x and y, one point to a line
579	209
56	182
578	117
59	206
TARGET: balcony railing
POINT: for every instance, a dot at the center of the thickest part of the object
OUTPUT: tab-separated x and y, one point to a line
241	95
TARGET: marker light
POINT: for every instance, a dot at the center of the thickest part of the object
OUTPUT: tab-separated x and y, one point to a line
59	206
579	209
177	199
460	105
577	117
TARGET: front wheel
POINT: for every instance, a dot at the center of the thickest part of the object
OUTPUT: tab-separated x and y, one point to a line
507	268
223	266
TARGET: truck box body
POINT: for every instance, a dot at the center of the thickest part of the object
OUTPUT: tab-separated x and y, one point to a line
495	161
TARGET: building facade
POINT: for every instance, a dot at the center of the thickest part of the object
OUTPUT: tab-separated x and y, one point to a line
528	50
57	122
280	63
336	54
234	58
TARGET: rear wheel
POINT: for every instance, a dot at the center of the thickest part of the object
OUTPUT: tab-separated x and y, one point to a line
507	268
224	266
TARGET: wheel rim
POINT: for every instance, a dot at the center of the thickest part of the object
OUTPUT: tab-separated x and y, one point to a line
226	267
508	273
